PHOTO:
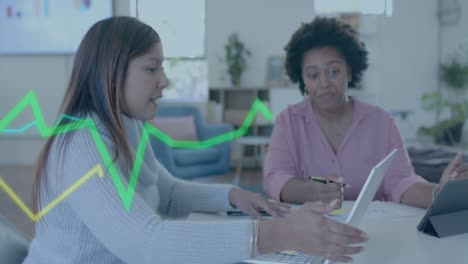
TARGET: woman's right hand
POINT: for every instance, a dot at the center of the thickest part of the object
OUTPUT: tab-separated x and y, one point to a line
326	193
299	190
307	230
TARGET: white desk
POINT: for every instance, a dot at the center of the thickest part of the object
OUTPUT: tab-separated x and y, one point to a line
393	237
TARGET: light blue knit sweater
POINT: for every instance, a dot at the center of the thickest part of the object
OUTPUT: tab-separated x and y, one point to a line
92	225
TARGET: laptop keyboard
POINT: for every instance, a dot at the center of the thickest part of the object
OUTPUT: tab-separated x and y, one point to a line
291	257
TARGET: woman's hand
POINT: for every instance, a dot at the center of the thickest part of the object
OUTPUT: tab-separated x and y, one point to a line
299	190
307	230
455	170
326	193
250	203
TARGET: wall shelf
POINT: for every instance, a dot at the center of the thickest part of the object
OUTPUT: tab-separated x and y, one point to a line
234	103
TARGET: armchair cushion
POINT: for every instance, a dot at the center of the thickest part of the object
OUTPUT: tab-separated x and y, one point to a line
193	162
178	128
213	130
188	157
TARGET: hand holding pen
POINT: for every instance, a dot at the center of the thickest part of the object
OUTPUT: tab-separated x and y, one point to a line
327	180
327	189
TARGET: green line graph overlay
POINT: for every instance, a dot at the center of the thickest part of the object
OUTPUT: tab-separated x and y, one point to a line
126	194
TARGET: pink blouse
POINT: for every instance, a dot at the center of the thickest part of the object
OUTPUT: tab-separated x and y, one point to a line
298	148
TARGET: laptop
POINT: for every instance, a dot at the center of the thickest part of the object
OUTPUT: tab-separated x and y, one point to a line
354	217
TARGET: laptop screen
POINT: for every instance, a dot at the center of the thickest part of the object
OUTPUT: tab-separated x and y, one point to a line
369	189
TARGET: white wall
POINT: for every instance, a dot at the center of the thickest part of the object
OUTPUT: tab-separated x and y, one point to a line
405	50
403	47
46	75
455	35
264	26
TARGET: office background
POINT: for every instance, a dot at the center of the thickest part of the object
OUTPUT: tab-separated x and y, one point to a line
405	48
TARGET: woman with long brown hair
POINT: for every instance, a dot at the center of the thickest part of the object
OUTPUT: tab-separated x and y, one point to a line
116	81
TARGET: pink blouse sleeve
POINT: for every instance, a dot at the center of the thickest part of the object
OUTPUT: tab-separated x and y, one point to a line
280	159
400	175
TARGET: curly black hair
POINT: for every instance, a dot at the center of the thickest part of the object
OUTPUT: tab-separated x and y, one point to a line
323	32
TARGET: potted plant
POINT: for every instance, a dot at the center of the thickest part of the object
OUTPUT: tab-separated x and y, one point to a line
236	53
448	131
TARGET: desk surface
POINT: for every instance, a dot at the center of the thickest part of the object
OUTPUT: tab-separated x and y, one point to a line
393	237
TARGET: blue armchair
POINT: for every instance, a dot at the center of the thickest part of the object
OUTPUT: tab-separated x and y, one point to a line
196	162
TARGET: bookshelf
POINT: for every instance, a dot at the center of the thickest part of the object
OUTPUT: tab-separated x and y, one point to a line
233	104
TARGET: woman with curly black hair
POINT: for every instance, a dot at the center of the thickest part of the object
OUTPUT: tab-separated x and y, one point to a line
333	135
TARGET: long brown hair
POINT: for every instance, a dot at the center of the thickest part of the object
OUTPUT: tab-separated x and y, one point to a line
96	84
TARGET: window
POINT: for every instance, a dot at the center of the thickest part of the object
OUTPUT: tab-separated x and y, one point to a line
354	6
180	23
181	26
188	79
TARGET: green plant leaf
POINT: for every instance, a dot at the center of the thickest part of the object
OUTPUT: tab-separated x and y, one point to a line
236	53
454	74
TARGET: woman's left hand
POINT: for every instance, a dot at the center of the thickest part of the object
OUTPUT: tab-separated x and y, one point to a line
455	170
250	203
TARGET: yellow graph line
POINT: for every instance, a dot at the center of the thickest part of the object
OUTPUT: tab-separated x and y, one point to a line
35	217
